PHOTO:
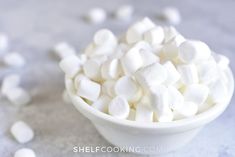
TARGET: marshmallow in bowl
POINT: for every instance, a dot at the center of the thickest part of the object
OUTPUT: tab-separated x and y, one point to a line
149	74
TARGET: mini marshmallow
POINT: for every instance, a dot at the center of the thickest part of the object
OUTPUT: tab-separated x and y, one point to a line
22	132
148	58
172	74
169	51
177	40
176	99
3	42
70	65
222	61
14	59
63	50
18	96
188	73
192	50
102	103
25	152
88	89
77	80
171	15
119	108
166	116
151	75
91	69
169	33
96	15
104	37
9	82
218	91
127	88
131	115
155	35
136	31
131	61
111	69
196	93
108	88
144	113
124	12
66	97
188	109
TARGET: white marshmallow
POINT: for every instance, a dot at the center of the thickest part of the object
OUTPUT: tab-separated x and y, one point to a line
119	108
3	42
70	65
144	113
196	93
193	51
166	116
218	91
91	69
151	75
63	50
88	89
172	74
66	97
155	35
83	58
171	15
18	96
22	132
136	31
131	115
148	58
222	61
176	99
104	37
188	109
25	152
124	12
102	103
169	51
9	82
108	88
14	59
111	69
127	88
177	40
96	15
169	33
188	73
131	61
77	80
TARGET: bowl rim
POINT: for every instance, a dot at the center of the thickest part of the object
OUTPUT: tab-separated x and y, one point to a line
205	116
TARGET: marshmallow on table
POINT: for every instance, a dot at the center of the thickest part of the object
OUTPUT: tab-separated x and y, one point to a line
172	74
119	108
102	103
63	50
155	35
18	96
9	82
3	42
22	132
218	91
70	65
96	15
111	69
104	37
144	113
151	75
136	31
171	15
124	12
127	88
25	152
14	59
188	73
196	93
176	99
88	89
194	51
187	109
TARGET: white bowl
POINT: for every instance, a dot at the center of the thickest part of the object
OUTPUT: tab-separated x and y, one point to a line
148	138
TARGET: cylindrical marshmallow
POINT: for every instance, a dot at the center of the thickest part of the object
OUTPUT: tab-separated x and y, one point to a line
188	109
9	82
108	88
172	74
119	108
111	69
102	103
176	99
188	73
171	15
96	15
63	50
124	12
91	69
18	96
144	113
155	35
104	37
14	59
25	152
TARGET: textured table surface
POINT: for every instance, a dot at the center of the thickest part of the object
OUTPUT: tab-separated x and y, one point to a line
34	26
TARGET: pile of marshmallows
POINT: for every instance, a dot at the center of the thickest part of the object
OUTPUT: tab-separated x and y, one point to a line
149	74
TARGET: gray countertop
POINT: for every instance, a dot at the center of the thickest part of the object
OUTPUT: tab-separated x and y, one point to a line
35	26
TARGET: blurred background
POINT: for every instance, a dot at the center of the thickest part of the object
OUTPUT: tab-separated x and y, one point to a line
34	27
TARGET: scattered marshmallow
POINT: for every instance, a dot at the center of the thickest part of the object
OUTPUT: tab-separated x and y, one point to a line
3	42
9	82
25	152
143	113
96	15
188	73
70	65
63	50
18	96
22	132
124	12
14	59
171	15
119	108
